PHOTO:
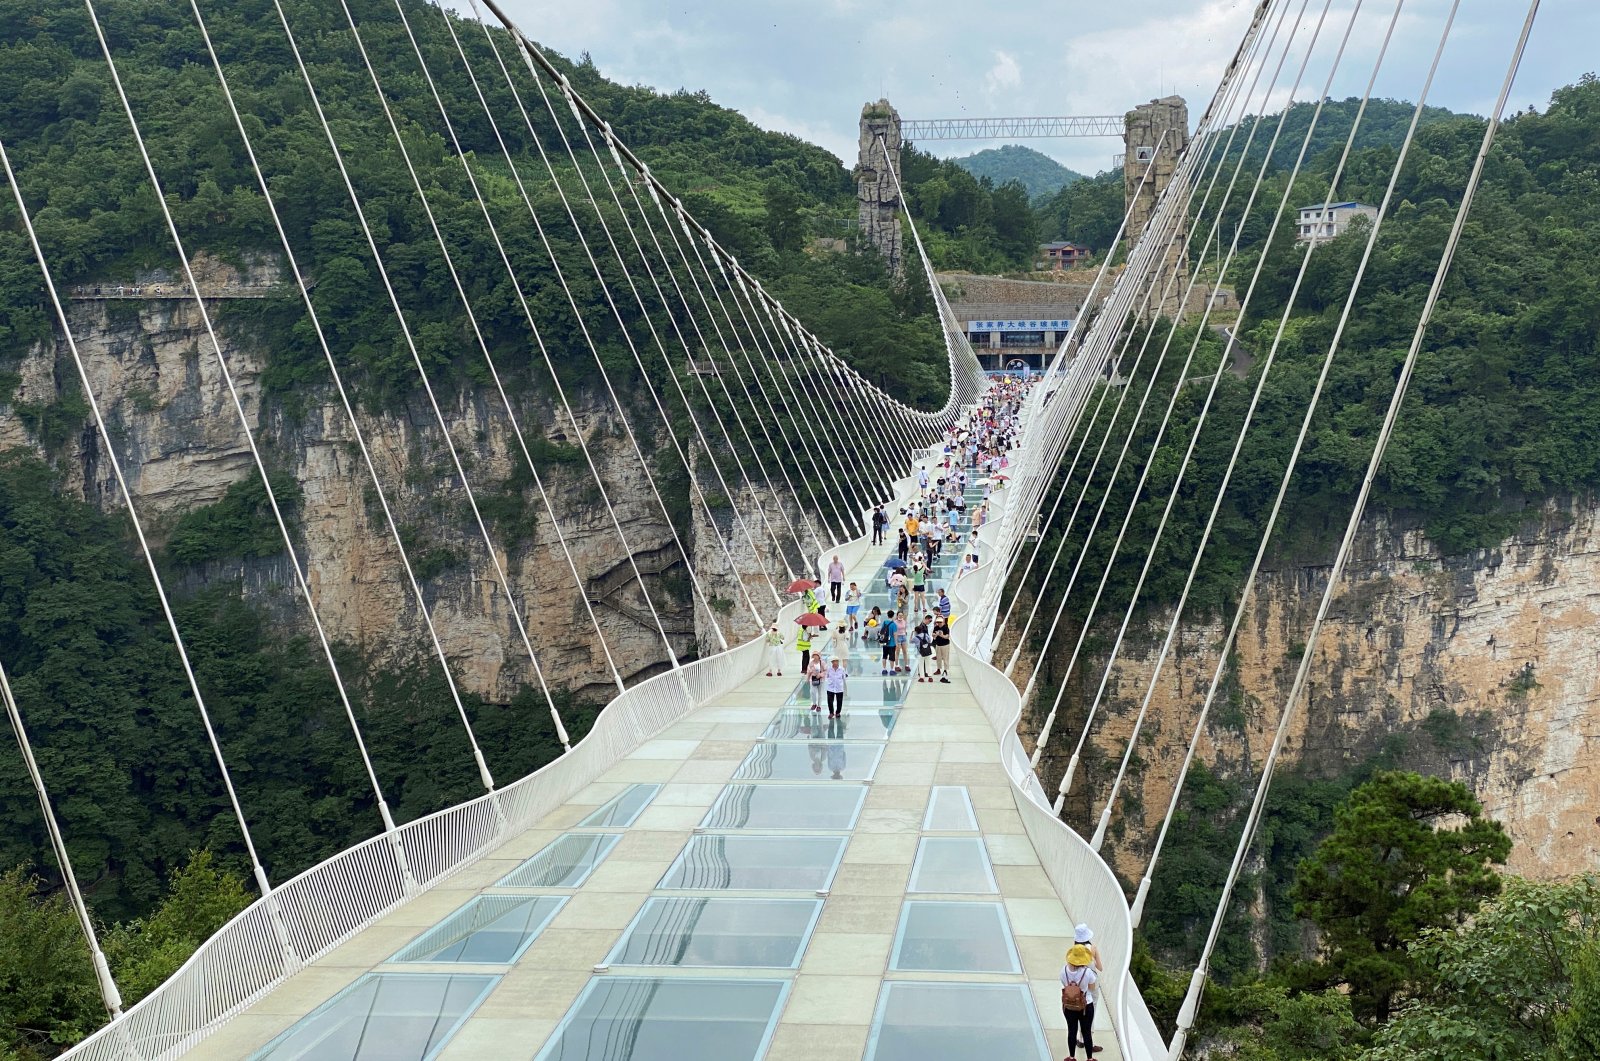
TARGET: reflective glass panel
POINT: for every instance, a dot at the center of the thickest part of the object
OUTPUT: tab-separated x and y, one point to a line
565	863
819	759
950	810
489	929
756	863
804	724
718	933
955	1022
820	807
628	1018
954	937
384	1017
952	864
622	809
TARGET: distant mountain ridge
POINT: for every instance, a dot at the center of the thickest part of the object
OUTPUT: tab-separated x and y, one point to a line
1042	175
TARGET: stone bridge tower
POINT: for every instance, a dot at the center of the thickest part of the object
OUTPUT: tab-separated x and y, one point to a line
877	193
1156	132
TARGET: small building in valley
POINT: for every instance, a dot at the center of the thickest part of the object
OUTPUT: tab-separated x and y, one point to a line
1327	220
1063	254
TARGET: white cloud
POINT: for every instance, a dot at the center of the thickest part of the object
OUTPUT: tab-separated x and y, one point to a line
1004	76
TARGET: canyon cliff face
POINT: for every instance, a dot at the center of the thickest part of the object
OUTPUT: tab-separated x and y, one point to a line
1484	668
180	442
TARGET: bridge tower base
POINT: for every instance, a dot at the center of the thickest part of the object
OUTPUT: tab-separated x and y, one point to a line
877	191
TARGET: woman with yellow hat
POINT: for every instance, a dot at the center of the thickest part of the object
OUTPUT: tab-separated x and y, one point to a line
1078	980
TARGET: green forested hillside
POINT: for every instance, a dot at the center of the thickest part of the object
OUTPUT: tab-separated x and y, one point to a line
763	193
1042	175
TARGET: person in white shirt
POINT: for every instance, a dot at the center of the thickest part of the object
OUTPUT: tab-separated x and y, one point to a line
1079	978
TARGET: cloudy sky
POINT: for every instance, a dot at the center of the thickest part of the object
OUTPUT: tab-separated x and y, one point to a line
807	66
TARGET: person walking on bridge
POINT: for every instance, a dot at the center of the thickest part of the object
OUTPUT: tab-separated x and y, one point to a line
835	579
941	648
879	520
802	641
1079	978
834	684
774	651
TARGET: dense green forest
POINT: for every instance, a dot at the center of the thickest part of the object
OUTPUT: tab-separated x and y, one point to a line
1042	175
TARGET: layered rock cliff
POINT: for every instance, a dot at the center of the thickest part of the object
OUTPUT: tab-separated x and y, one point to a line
1489	661
180	440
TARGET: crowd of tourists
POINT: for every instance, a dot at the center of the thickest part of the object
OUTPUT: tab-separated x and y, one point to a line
911	631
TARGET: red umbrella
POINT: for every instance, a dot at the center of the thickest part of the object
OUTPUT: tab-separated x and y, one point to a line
800	585
812	619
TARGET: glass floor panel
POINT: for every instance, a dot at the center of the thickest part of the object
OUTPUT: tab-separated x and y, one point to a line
819	807
824	758
868	689
756	863
950	811
954	937
631	1018
384	1017
955	1022
952	864
725	933
803	723
491	929
621	810
565	862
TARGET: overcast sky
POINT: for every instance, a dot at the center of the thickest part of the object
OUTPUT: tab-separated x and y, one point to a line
807	66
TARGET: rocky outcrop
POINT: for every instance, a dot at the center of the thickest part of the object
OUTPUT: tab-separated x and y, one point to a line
180	440
1489	662
877	183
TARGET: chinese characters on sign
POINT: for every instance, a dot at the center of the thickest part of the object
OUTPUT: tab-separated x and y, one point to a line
1018	326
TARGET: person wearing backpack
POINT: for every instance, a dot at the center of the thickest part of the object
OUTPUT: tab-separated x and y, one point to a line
924	650
1078	980
887	631
941	648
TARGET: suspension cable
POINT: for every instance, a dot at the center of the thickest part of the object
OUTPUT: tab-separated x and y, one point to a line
1205	408
1238	444
237	402
410	340
1336	572
102	970
1160	435
1226	649
260	873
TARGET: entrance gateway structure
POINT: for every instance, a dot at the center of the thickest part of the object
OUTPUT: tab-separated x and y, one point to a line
713	870
1018	319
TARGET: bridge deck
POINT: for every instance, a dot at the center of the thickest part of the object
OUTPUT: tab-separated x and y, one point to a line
754	762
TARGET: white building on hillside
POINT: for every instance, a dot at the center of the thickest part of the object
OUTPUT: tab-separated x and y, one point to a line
1327	220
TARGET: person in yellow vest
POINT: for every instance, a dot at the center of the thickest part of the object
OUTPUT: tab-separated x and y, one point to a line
802	641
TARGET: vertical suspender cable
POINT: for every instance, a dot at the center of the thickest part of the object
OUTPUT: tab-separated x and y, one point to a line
411	346
102	971
1238	445
255	453
1386	430
280	930
1226	648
